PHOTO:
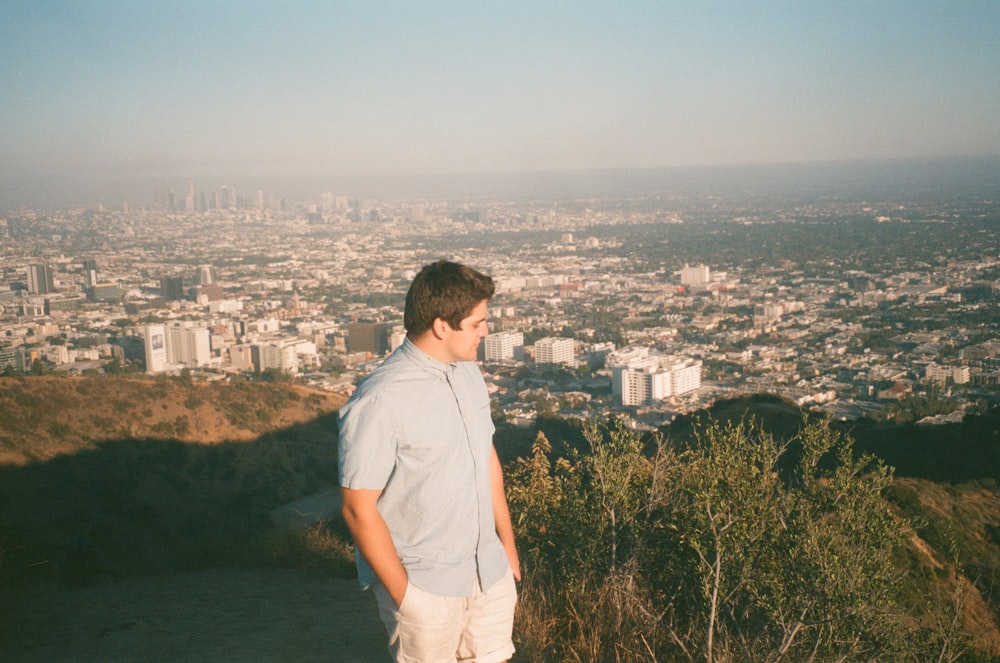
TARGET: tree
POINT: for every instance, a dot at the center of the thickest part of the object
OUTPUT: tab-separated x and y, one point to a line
114	367
274	375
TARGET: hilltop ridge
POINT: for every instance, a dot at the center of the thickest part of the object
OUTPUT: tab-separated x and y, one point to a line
45	416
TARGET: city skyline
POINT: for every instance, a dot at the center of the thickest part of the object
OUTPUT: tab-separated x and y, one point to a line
109	97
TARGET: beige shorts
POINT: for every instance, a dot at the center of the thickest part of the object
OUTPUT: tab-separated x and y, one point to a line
428	628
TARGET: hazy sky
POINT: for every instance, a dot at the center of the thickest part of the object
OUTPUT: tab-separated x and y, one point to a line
150	89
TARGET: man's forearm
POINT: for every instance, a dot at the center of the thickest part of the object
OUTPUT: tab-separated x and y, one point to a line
501	515
371	536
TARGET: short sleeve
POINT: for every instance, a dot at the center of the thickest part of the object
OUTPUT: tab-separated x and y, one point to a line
367	445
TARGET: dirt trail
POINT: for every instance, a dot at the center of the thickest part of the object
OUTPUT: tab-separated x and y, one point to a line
218	616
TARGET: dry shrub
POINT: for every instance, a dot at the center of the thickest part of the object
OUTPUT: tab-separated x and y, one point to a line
614	619
312	547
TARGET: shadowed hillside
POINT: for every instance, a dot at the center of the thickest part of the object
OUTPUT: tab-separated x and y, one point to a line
124	477
951	452
134	524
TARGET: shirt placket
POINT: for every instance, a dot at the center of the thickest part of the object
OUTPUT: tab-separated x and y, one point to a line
476	464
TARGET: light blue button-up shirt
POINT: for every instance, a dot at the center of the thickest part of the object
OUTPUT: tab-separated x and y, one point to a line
420	431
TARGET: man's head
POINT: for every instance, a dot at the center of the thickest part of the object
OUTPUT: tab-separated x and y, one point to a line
445	290
442	296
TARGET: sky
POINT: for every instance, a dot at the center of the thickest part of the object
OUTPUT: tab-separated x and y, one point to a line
94	91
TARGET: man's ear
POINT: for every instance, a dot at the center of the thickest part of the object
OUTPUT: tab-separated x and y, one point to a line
440	327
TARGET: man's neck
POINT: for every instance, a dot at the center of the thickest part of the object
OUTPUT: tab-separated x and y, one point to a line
428	344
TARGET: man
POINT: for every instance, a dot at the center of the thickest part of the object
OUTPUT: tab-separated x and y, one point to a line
422	486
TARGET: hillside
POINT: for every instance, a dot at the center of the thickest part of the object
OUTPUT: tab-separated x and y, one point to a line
115	478
42	417
110	483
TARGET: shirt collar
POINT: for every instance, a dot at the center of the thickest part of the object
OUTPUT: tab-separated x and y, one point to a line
424	360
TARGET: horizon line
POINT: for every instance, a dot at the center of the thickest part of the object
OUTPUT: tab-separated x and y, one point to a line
408	186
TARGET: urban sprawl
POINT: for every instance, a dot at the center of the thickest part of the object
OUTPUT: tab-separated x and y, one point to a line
639	308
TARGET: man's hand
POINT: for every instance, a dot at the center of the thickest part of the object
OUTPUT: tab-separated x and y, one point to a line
371	536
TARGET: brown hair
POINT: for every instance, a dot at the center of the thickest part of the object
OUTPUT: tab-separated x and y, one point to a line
445	290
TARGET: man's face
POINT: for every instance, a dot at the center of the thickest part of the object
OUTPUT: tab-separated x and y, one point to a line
462	344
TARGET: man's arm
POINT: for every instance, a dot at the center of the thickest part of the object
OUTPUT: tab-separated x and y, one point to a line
371	536
501	514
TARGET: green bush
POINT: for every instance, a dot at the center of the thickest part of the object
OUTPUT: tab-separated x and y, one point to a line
734	547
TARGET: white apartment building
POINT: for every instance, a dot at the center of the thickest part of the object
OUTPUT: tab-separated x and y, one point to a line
397	336
57	354
554	350
224	306
695	275
627	365
685	374
188	344
938	373
504	346
156	348
176	344
640	386
640	376
279	355
305	354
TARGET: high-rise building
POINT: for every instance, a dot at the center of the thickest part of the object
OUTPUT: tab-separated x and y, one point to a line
188	344
13	357
105	292
554	350
396	337
190	198
206	275
40	279
631	388
156	348
372	337
625	365
227	197
89	273
938	373
172	288
503	346
177	344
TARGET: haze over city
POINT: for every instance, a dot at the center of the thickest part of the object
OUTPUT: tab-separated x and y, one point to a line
106	101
